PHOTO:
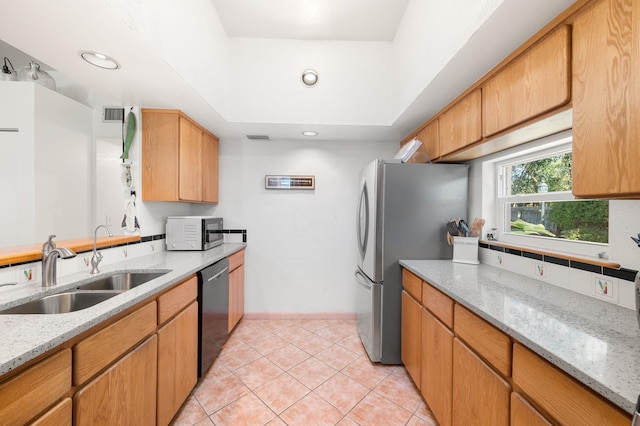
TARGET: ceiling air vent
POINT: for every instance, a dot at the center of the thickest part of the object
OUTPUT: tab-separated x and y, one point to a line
112	115
258	137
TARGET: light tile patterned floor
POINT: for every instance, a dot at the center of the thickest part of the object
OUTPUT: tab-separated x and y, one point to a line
302	372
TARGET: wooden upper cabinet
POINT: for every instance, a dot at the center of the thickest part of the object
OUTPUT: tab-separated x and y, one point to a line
606	100
461	125
536	82
179	158
430	148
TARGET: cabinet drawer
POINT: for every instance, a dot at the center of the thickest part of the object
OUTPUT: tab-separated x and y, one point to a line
236	259
561	396
412	284
176	299
30	392
438	303
105	346
60	415
523	414
489	342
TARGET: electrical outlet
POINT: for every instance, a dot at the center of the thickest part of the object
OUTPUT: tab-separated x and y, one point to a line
500	259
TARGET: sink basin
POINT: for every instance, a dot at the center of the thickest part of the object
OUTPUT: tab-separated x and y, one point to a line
61	303
121	281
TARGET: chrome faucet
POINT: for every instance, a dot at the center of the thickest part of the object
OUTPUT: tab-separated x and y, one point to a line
49	255
97	257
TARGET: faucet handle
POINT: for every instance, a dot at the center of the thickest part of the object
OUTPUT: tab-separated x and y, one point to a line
49	245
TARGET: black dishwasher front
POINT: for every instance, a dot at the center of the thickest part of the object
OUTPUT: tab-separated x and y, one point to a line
213	312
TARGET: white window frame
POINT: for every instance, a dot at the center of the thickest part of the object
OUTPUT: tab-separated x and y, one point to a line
558	146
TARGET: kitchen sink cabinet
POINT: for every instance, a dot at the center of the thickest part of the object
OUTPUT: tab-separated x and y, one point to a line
236	288
177	362
437	367
179	158
124	393
461	125
411	336
481	395
606	100
534	83
32	391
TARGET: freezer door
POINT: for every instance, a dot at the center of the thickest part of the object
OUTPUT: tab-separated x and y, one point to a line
368	229
369	315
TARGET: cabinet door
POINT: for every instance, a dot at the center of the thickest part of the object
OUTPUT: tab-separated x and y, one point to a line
125	394
481	395
523	414
536	82
60	415
430	148
177	362
437	367
209	168
236	296
606	108
411	335
190	161
461	125
160	133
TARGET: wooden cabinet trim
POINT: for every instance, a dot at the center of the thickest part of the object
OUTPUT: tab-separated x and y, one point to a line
490	343
97	351
236	259
176	299
564	398
437	302
412	284
31	392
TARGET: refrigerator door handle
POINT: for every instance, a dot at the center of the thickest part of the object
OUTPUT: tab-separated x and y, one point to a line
362	280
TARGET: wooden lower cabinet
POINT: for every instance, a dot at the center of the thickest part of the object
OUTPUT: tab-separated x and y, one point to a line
523	414
437	367
177	362
124	394
60	415
411	336
236	288
481	395
32	391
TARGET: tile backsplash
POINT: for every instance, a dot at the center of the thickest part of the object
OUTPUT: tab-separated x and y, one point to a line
611	285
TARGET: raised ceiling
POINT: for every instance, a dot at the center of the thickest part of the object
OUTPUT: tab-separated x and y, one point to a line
234	65
355	20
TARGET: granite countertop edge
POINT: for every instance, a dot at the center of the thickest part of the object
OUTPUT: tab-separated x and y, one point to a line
29	336
441	274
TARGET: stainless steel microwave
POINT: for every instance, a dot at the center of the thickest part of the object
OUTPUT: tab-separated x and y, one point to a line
194	232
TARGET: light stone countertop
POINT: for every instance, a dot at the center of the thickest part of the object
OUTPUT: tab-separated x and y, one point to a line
24	337
596	342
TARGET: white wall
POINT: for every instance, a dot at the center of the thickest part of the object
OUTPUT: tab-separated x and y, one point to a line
301	251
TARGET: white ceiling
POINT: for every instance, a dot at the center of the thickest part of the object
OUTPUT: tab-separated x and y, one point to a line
234	65
355	20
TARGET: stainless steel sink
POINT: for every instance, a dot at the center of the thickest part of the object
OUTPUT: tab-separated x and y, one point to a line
61	303
121	281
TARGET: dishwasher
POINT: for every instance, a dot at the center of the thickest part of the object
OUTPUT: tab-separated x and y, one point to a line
213	312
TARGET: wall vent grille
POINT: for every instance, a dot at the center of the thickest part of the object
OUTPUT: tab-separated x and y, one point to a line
258	137
112	115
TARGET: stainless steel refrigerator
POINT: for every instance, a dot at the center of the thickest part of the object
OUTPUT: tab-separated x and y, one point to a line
402	214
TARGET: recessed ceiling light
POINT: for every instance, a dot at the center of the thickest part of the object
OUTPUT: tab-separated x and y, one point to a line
309	78
310	133
100	60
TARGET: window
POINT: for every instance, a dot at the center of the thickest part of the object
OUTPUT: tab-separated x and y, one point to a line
535	203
